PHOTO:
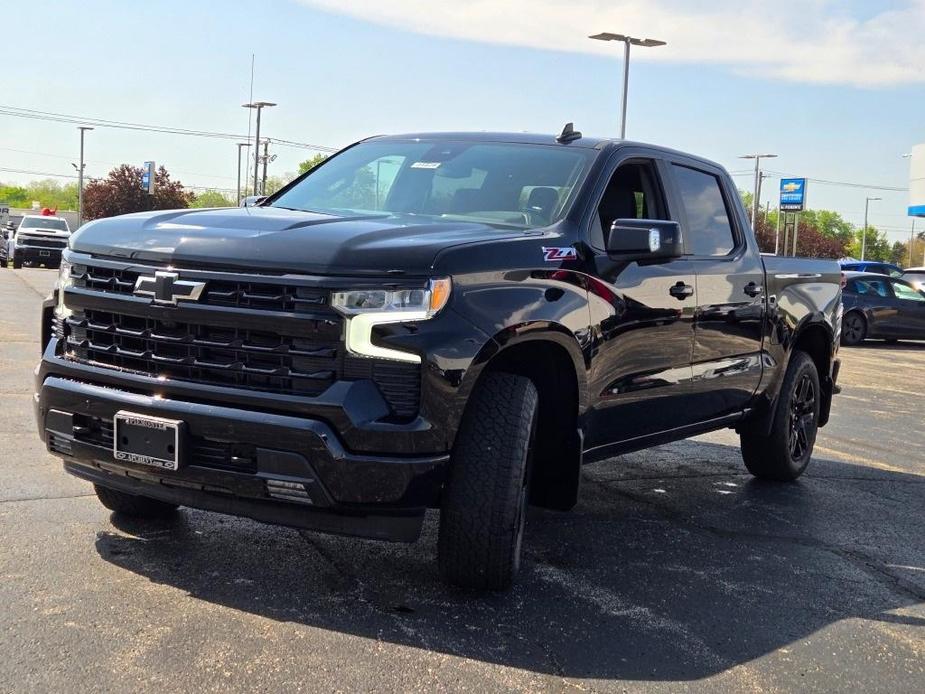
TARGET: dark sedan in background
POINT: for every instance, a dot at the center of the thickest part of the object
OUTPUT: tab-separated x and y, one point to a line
880	307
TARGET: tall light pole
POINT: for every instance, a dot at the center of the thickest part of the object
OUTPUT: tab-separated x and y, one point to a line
864	233
259	105
240	145
627	42
755	192
80	176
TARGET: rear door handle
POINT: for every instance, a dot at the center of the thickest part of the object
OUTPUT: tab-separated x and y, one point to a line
681	291
753	289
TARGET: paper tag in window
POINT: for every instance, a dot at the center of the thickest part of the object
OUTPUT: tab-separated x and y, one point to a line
425	165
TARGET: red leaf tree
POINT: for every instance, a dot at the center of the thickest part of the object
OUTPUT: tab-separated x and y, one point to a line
121	193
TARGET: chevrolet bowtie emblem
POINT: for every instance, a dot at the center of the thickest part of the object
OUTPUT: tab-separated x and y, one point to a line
168	288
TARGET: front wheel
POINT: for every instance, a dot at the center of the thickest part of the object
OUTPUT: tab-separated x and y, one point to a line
784	454
484	505
17	263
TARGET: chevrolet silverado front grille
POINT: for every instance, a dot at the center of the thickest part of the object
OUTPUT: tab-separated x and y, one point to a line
259	296
235	357
245	332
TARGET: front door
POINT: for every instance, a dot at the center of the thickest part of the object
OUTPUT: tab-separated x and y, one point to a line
641	314
729	320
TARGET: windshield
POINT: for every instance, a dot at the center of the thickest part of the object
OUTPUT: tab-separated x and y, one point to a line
507	185
44	223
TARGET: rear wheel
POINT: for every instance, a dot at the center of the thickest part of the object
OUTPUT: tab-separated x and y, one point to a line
853	329
784	454
484	506
131	505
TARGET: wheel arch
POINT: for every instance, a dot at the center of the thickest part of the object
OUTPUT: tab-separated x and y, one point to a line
551	357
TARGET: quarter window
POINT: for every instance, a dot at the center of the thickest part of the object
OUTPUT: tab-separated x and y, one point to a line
709	230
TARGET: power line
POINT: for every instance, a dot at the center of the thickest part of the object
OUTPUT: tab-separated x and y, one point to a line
33	114
72	176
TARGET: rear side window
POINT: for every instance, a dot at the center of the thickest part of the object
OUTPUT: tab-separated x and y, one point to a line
709	230
873	287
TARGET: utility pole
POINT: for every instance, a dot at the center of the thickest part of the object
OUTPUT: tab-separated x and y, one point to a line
627	42
266	159
864	233
911	241
259	105
80	176
240	145
757	189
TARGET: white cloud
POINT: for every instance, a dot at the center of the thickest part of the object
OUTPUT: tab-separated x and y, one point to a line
815	41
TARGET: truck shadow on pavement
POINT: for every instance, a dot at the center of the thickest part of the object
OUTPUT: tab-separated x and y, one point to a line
676	565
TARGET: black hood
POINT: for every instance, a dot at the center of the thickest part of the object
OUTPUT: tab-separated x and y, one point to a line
272	238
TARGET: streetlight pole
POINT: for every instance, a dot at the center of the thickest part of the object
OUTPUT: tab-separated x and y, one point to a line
864	233
240	145
259	105
757	188
911	241
80	176
627	42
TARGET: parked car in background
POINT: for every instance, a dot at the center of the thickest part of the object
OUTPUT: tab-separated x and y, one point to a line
881	308
915	276
39	240
874	266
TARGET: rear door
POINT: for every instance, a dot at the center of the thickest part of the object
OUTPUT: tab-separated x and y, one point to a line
641	314
729	320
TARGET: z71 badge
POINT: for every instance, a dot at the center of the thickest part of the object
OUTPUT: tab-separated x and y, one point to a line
553	254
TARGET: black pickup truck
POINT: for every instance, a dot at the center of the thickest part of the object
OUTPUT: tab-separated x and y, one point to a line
449	321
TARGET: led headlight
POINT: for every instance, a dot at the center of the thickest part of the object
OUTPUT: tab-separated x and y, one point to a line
365	308
64	281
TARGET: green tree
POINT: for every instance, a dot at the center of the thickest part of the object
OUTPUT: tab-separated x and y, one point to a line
877	247
899	253
211	198
14	196
121	193
311	162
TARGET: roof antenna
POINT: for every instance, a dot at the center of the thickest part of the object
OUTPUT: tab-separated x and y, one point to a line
568	134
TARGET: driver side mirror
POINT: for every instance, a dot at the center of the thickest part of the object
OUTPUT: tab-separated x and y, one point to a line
645	239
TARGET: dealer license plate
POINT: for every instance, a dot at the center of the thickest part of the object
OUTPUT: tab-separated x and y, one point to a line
147	440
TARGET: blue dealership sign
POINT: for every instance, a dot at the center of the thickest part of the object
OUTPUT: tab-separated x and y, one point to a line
793	194
147	177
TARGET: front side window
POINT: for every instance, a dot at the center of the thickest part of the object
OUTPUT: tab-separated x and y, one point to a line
633	192
904	291
709	230
506	185
873	287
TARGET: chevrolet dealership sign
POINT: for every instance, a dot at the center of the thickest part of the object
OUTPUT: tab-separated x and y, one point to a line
793	194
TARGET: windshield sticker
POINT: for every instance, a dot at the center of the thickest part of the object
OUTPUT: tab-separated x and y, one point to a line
554	254
425	165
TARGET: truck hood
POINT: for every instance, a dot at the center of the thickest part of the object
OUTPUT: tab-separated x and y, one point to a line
280	240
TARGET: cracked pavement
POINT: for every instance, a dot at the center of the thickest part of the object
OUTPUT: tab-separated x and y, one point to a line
676	572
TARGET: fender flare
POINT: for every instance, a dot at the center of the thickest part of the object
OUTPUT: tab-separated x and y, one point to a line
524	333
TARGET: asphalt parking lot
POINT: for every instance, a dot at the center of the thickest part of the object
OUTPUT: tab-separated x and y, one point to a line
677	571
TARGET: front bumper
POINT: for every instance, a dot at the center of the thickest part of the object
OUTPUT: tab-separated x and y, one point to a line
243	462
37	254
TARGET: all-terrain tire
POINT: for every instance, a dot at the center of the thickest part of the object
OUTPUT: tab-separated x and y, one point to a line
131	505
484	505
784	454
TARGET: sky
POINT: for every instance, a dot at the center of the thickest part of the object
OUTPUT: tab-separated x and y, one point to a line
835	89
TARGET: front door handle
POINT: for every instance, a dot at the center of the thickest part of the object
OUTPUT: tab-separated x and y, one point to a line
753	289
681	291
